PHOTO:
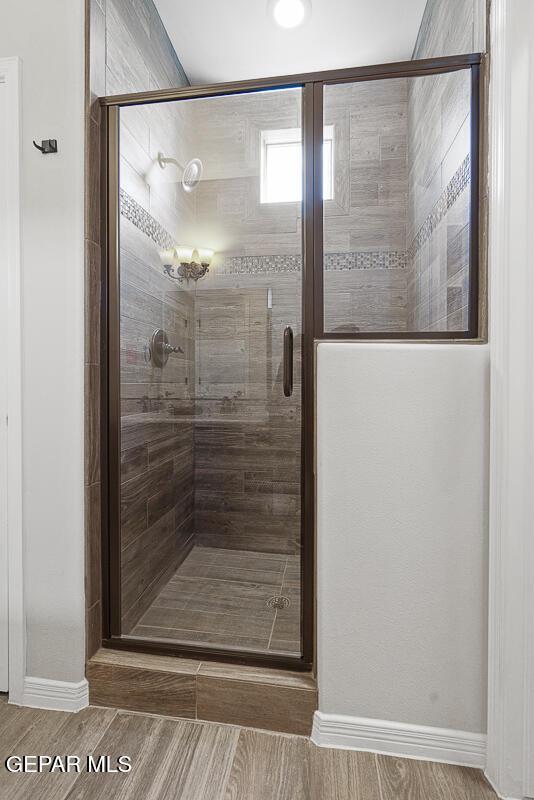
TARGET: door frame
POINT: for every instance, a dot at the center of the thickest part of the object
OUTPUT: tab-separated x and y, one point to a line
510	745
11	532
311	85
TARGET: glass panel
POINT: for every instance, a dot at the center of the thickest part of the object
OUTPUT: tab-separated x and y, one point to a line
209	279
396	233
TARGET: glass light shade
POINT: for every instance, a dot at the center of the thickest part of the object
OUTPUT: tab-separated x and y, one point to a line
289	13
166	257
184	254
205	255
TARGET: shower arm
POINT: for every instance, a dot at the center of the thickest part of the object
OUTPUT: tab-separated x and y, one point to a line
164	160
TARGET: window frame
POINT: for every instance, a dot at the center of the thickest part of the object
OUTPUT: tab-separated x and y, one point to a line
288	137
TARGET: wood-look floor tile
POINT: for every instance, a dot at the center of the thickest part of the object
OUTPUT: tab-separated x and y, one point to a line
230	573
15	723
150	769
408	779
218	597
201	555
247	591
222	604
193	569
180	760
191	619
260	561
287	624
187	761
128	735
342	775
76	734
284	646
268	767
463	783
27	729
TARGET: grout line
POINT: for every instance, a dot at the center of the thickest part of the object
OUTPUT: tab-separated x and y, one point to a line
272	631
207	722
283	578
276	611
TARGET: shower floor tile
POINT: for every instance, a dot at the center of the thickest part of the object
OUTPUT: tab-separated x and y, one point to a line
220	597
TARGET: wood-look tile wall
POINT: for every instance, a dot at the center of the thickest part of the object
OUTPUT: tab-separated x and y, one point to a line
156	403
439	130
156	427
230	217
127	49
449	29
247	433
368	212
439	143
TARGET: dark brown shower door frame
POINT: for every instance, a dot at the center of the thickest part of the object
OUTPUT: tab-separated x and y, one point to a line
312	85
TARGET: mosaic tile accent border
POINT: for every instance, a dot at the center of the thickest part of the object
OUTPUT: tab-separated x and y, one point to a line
459	181
374	259
138	216
252	265
255	265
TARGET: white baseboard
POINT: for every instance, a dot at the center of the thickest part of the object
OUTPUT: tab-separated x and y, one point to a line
55	695
399	739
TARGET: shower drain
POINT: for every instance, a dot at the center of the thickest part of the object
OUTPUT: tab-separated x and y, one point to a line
279	601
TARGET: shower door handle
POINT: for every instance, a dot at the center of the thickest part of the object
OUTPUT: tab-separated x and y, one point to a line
288	361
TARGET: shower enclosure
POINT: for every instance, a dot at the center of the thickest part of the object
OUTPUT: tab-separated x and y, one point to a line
245	222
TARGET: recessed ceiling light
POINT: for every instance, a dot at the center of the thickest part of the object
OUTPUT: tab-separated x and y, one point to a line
289	13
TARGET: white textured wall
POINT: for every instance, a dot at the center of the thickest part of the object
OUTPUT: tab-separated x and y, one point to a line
48	37
402	532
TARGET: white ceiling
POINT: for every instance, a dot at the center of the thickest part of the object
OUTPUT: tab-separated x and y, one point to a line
226	40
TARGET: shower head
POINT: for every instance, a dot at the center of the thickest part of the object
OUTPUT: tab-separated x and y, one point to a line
191	173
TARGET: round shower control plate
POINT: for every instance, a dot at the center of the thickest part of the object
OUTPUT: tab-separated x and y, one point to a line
159	350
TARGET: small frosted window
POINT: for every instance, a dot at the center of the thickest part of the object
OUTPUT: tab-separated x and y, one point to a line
281	167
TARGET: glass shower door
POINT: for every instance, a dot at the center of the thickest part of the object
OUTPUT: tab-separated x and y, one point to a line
208	544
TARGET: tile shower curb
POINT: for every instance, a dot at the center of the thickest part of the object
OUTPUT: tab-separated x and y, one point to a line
254	697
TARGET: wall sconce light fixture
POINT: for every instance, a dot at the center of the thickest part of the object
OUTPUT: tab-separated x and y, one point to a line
186	263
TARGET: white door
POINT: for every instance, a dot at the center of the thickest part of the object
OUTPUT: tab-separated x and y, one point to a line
3	393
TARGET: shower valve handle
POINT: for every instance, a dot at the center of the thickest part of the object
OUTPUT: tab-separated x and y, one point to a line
168	348
160	348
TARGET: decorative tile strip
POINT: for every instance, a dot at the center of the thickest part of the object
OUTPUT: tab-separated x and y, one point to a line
252	265
138	216
459	181
255	265
375	259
